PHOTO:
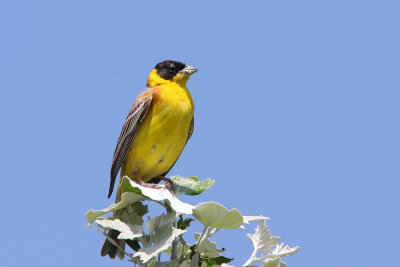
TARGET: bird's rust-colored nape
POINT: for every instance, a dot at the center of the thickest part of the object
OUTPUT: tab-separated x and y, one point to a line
155	92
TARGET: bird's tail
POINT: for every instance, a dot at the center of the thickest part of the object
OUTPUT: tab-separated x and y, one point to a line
110	249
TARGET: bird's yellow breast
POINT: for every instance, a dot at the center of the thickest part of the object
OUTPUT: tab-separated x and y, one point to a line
162	134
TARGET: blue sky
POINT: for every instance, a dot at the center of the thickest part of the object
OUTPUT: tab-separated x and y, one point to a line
297	118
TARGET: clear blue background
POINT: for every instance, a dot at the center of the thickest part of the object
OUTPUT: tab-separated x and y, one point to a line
297	118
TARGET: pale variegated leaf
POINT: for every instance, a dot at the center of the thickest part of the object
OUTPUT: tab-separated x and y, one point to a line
277	262
284	251
280	251
262	239
248	219
127	231
161	193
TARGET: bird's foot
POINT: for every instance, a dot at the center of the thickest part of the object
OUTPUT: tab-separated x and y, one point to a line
143	183
167	180
155	186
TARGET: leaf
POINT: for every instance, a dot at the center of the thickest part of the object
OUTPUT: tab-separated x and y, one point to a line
262	240
133	192
212	214
184	223
148	252
248	219
195	259
280	251
161	221
133	213
164	264
191	185
127	230
215	261
207	247
156	194
162	233
181	250
151	264
126	198
274	263
284	251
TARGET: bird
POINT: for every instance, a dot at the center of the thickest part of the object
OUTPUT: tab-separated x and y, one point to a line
157	128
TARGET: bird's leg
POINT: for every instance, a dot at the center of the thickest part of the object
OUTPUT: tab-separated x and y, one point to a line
167	180
143	183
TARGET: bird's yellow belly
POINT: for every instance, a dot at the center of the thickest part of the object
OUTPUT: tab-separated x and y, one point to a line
159	141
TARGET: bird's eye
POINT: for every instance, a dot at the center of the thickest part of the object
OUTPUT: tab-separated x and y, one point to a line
172	67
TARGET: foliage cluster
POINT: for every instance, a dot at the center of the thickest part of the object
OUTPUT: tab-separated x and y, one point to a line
164	234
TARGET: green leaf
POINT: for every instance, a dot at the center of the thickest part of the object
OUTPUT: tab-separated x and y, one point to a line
215	261
133	192
164	264
195	260
160	222
133	213
126	186
91	215
207	247
191	185
184	223
212	214
181	250
126	198
162	233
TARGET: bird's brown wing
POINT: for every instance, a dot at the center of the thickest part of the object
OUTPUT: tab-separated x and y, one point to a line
191	128
136	115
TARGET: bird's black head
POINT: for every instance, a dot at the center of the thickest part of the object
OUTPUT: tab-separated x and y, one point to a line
169	68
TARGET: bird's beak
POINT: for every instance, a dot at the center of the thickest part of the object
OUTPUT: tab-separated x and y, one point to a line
188	70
